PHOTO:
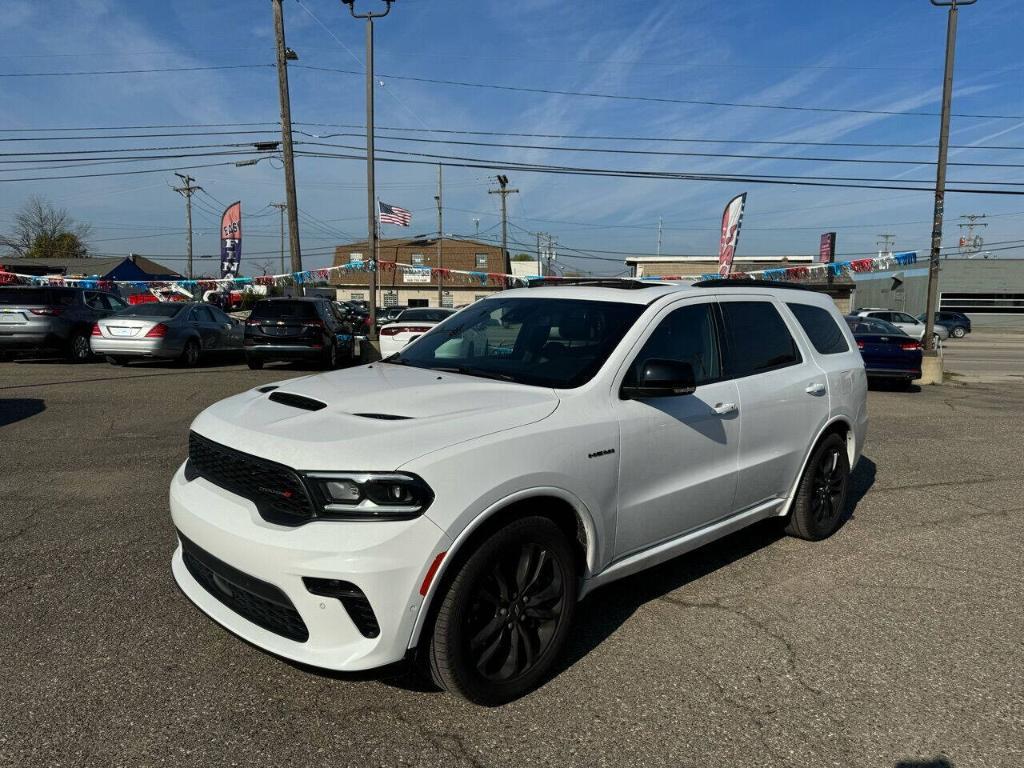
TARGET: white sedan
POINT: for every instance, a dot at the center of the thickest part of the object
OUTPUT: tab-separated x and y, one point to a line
411	324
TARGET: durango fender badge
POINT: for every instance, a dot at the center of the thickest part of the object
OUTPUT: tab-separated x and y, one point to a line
605	452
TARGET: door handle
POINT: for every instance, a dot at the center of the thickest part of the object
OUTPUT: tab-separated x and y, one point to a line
816	388
724	408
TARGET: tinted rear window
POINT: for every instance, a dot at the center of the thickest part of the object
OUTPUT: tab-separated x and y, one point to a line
37	296
821	328
284	310
153	309
757	339
425	315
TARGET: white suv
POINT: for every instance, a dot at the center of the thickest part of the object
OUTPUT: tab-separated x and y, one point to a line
453	502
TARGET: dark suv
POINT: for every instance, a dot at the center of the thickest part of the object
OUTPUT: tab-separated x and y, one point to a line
52	319
297	329
958	323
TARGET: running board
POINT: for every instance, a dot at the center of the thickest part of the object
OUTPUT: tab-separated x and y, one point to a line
681	545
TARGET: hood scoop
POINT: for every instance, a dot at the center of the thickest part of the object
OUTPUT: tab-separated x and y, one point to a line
297	401
382	416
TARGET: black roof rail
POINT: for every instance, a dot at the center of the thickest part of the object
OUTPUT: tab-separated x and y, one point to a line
628	283
746	282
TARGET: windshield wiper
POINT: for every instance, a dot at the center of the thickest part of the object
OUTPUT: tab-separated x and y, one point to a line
480	372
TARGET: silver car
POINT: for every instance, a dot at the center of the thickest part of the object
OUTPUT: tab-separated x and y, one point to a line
183	331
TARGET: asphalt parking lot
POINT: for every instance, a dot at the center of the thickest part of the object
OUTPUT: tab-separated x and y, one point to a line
899	641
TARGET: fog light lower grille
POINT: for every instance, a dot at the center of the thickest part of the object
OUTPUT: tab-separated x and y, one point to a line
352	598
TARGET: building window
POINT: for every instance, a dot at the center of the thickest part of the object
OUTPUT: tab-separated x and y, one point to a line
417	258
447	300
390	299
356	297
481	261
419	303
354	257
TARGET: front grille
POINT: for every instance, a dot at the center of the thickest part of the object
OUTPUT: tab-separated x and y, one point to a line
257	601
276	490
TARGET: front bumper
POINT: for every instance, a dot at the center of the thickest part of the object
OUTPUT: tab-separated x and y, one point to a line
135	347
388	561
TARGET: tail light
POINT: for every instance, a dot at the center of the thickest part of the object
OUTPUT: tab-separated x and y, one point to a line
96	330
158	331
252	323
404	329
51	311
910	345
860	344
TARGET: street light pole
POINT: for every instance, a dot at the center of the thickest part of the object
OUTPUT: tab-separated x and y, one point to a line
440	238
283	54
940	175
371	192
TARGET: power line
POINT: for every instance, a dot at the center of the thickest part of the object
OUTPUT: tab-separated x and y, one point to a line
656	99
134	71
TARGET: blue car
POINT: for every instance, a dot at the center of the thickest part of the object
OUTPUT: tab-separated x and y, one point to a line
889	354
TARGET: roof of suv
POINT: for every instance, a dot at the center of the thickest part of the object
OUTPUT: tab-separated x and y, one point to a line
646	292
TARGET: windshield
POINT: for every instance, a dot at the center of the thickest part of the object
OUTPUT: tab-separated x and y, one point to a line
152	309
424	315
873	325
558	343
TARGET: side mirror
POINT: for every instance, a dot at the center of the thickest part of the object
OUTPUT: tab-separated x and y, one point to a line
661	378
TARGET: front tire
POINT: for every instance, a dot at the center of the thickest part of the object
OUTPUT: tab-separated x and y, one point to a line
506	615
820	500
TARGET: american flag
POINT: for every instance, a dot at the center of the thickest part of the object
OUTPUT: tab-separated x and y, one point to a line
392	214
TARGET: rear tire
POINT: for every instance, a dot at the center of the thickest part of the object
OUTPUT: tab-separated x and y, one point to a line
191	355
820	503
505	616
904	385
959	332
78	348
254	363
330	361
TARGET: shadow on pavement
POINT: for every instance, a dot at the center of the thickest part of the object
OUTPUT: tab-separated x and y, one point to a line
18	408
935	762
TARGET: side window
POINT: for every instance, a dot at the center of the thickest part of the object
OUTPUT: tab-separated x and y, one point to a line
218	316
821	328
757	339
94	300
203	315
903	318
115	302
687	335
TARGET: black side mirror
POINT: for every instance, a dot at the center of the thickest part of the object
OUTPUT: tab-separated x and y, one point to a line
661	378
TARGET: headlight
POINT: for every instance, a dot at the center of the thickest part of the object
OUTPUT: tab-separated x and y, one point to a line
369	495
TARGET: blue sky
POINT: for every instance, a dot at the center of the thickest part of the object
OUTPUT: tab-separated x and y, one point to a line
875	54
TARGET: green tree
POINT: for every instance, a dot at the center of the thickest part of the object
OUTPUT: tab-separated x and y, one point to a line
42	230
66	245
523	257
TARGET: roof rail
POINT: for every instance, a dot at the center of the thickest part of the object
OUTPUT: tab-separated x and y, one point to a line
745	282
629	283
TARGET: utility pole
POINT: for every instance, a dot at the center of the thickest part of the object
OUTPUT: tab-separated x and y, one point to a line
186	191
969	244
659	236
885	243
476	223
504	192
371	191
540	266
282	207
440	238
283	55
940	183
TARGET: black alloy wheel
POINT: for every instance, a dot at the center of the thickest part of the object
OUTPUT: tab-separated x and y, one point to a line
78	349
191	354
506	615
514	612
820	503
